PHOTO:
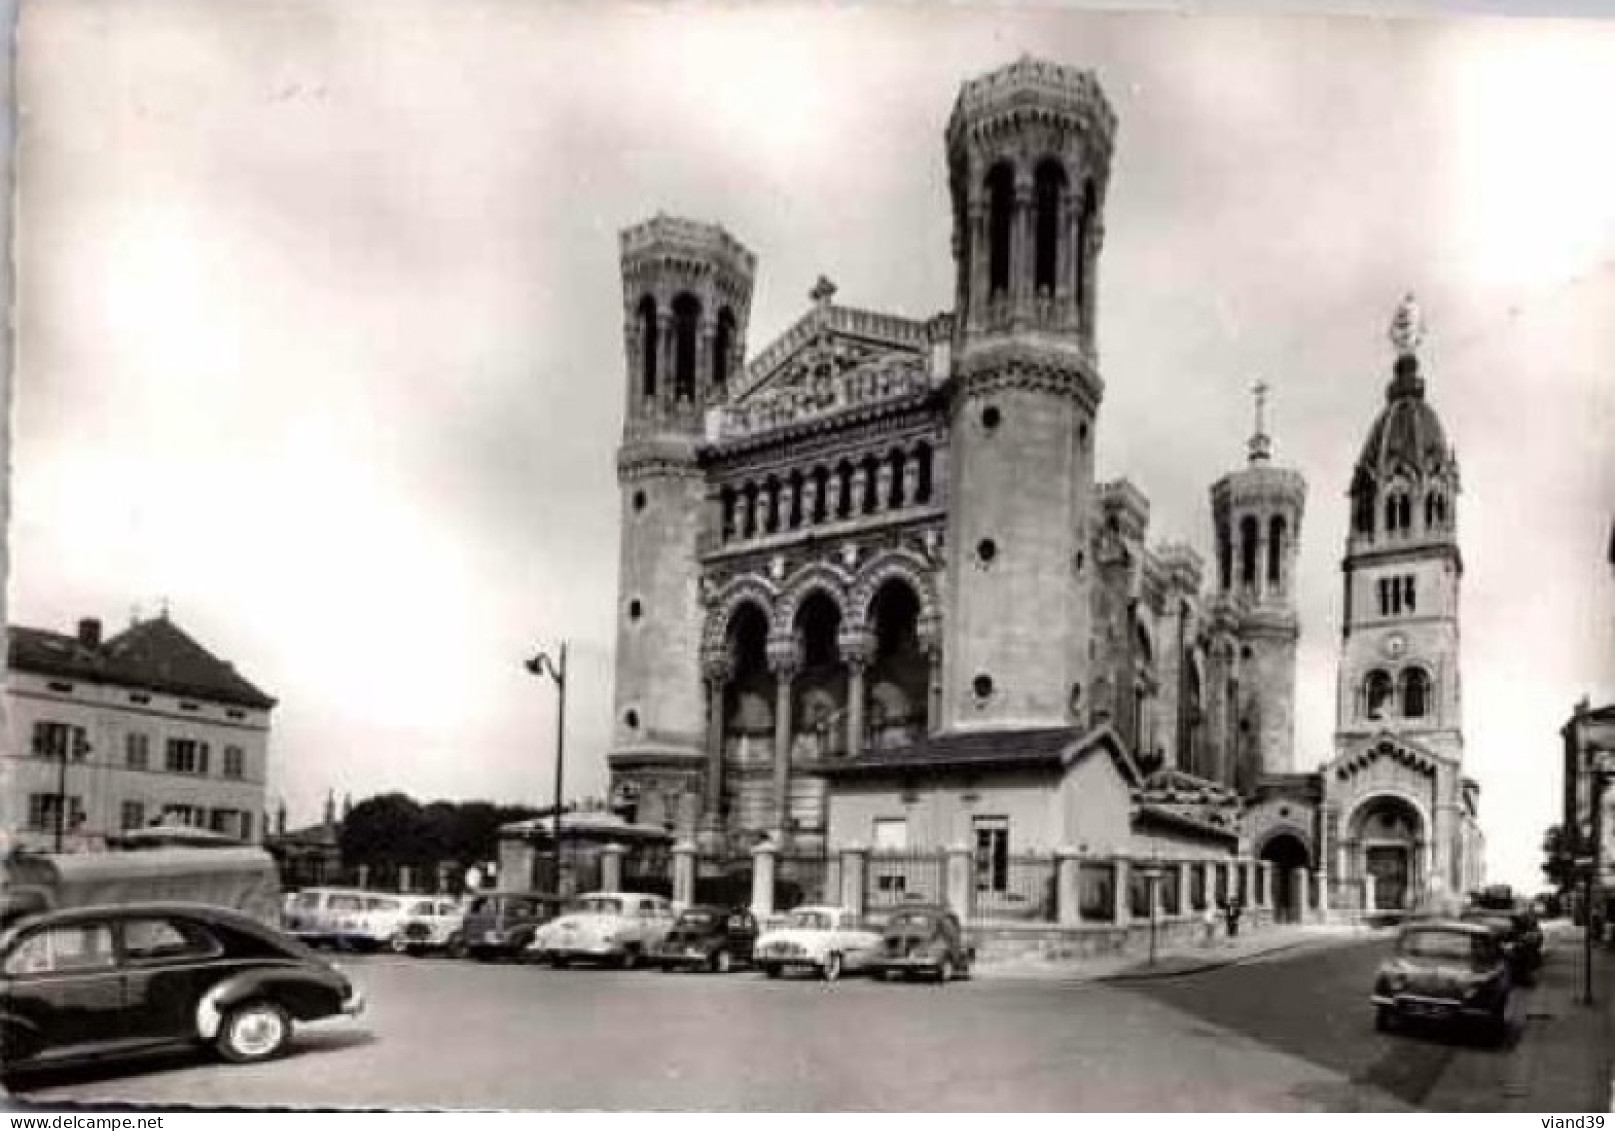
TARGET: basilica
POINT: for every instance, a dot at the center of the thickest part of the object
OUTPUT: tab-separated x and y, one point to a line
873	592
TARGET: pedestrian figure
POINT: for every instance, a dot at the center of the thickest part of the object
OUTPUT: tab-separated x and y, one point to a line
1210	921
1232	911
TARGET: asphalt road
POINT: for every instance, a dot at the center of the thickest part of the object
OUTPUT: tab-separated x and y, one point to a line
1280	1034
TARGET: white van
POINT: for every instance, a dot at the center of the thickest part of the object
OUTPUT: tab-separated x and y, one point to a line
317	915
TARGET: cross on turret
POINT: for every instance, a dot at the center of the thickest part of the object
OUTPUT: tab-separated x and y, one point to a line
1261	445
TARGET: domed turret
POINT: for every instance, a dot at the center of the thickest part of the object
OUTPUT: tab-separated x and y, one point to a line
1406	477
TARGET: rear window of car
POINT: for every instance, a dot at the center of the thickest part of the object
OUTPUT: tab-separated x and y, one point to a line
910	919
599	905
154	940
1456	945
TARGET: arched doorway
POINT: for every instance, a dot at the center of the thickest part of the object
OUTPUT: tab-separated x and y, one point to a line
748	721
1386	840
899	677
1286	852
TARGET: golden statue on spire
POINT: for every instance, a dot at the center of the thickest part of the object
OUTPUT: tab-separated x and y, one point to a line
1407	327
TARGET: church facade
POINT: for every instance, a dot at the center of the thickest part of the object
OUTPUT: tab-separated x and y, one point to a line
873	592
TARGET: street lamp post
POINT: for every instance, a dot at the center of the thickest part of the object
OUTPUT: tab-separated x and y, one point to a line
542	664
1592	860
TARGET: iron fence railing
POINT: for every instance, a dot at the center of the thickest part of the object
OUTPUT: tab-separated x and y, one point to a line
799	878
1096	890
1023	889
897	879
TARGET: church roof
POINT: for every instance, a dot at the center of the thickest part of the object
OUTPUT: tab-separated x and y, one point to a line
984	749
152	655
1407	432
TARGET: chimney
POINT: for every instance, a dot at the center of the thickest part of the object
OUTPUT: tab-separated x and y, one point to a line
90	632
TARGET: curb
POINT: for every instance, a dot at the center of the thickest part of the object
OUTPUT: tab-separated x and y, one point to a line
1148	975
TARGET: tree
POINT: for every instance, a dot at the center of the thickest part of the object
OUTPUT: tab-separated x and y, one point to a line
1559	858
386	831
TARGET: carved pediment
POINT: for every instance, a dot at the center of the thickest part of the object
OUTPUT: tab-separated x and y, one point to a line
1395	751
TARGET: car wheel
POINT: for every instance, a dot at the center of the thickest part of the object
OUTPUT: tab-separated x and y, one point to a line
456	947
630	958
832	967
398	944
944	970
255	1031
1384	1018
771	971
720	962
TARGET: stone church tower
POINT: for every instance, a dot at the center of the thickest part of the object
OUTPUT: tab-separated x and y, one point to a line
1256	512
1399	813
1028	160
686	297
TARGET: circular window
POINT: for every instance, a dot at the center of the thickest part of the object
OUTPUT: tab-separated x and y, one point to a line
986	551
991	418
631	717
982	685
639	500
635	609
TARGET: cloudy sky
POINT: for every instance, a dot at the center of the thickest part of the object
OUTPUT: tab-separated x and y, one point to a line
319	323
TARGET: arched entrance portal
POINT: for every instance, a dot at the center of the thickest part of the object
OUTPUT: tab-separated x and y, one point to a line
1386	840
1286	852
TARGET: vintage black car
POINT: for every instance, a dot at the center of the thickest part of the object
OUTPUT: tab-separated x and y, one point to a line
95	982
923	942
1519	934
500	924
709	938
1445	970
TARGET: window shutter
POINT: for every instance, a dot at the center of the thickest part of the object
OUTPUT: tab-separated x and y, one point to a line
201	758
39	738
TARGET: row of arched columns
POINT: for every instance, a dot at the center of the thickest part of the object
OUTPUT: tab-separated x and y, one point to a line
1032	242
803	659
901	477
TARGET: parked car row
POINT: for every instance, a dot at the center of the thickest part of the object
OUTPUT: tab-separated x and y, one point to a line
1462	969
629	929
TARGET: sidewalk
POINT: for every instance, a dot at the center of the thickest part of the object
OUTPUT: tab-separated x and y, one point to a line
1563	1053
1179	960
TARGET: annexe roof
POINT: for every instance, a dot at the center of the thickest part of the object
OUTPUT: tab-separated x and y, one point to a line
152	655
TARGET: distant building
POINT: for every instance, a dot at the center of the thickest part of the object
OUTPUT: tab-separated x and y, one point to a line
143	728
1589	737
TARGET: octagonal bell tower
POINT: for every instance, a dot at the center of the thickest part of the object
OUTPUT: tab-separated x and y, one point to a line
686	298
1029	150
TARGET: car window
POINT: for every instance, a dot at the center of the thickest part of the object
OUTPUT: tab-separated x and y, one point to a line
811	920
378	904
55	950
306	900
345	903
696	919
600	905
1454	945
156	939
423	907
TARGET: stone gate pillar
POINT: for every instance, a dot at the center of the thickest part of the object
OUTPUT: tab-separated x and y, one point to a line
852	878
762	879
1068	886
1123	895
611	867
684	872
959	882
